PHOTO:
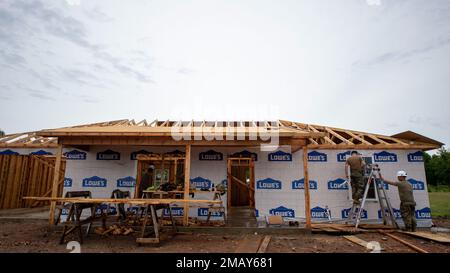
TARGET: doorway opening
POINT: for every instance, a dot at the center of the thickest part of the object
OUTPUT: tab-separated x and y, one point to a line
241	182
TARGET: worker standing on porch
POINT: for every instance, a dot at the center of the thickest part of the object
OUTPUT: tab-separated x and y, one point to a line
146	180
407	202
356	165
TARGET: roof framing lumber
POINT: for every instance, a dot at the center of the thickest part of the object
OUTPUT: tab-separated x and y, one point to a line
140	133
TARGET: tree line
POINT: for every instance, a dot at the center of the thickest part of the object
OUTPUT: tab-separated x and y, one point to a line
437	168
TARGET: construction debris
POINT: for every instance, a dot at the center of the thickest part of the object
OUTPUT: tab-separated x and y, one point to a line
114	230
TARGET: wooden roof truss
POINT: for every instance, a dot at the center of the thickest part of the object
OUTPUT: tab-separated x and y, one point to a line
317	136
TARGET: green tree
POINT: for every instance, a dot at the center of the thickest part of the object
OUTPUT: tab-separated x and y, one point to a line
2	133
437	168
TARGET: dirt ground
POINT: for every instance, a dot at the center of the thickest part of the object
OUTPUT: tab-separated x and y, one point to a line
442	222
30	235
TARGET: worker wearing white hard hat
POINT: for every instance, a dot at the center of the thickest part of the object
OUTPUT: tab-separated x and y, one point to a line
407	202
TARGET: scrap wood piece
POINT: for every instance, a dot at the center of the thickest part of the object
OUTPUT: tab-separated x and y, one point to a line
408	244
356	240
264	244
274	220
440	238
249	244
328	230
108	230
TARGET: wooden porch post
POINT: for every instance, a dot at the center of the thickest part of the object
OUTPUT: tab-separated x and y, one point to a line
56	178
187	183
306	185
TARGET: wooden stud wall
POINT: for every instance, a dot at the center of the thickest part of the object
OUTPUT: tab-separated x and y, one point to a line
26	175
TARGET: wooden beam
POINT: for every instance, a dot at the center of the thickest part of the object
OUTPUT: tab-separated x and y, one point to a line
358	138
356	240
338	135
264	244
187	183
56	175
137	201
378	139
167	141
369	147
313	141
306	186
327	139
228	183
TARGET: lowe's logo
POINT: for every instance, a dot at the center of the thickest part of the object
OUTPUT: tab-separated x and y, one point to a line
342	157
133	155
282	211
415	157
268	184
94	181
41	152
346	212
67	182
8	152
204	212
104	208
337	184
424	213
385	157
397	213
315	156
133	209
417	185
319	213
128	182
201	183
224	182
75	155
176	211
280	156
108	155
210	155
300	184
65	211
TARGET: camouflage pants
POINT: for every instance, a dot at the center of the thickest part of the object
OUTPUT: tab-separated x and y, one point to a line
357	183
408	216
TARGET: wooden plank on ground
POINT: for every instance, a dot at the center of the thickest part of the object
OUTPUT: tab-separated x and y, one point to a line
408	244
375	226
440	238
356	240
264	244
249	244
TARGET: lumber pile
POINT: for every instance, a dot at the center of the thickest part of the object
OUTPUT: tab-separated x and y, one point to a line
114	230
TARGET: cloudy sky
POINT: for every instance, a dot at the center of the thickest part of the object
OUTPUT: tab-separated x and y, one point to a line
381	66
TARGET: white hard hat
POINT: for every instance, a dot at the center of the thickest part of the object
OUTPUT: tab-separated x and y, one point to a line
402	173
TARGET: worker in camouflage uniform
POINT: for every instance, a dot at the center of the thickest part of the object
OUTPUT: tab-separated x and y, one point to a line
407	202
356	176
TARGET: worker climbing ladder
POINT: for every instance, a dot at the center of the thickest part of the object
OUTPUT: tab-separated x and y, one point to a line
386	211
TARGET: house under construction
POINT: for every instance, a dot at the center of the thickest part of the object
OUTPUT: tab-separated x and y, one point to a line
264	166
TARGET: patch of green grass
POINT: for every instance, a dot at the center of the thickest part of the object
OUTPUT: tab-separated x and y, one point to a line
440	204
439	188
